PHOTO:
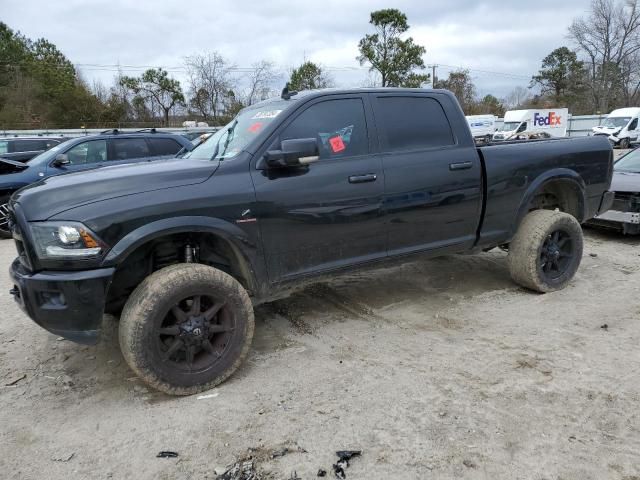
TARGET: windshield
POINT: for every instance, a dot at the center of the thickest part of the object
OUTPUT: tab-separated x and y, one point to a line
509	126
630	163
48	155
234	137
615	122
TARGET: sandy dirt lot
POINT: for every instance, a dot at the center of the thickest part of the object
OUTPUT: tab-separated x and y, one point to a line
436	368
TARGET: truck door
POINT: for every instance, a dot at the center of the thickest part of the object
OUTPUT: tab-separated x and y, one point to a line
327	214
433	177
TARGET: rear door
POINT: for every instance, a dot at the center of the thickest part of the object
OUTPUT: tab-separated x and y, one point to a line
433	178
164	147
327	214
128	150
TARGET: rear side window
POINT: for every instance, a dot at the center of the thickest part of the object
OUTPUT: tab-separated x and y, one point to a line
4	146
50	143
164	146
339	126
412	123
126	148
28	145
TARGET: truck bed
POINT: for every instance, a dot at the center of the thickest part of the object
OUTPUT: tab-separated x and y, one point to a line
514	170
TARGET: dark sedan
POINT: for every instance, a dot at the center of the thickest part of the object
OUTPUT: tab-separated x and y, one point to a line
625	212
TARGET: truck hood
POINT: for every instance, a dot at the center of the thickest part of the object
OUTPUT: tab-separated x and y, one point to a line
606	130
625	182
59	193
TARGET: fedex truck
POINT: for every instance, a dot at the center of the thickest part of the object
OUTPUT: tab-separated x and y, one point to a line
538	123
620	127
482	126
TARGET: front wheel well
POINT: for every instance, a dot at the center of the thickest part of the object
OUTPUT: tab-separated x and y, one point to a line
189	247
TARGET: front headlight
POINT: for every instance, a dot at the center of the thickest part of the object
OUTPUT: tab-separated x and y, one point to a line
65	240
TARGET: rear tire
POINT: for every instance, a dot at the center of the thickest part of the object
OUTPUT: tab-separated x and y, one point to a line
5	231
186	328
546	251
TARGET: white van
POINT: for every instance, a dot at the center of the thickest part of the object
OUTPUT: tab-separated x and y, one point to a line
482	126
525	124
620	126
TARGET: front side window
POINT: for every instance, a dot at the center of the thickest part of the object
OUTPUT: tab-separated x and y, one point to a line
94	151
523	127
127	148
629	163
412	123
339	127
633	124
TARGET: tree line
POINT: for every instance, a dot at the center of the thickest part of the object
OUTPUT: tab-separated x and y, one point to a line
40	87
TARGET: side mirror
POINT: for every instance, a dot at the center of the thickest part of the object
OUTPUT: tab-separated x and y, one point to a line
293	153
61	160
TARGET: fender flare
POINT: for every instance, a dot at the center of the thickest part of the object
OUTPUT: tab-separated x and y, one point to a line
236	238
558	174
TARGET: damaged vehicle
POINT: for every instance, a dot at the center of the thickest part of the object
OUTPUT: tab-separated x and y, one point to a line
294	188
624	215
84	153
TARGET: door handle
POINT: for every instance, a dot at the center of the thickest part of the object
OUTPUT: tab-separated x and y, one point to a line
460	166
369	177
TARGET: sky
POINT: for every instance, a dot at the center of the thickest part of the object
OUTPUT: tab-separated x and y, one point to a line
501	43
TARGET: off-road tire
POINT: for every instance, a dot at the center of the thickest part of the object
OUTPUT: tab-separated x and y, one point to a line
151	301
5	232
527	249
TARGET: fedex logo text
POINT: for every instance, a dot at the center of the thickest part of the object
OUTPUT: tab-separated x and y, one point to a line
550	120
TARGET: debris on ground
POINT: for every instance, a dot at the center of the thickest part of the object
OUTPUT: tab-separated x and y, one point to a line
63	458
322	473
241	470
209	395
167	454
343	461
469	464
12	381
604	326
594	255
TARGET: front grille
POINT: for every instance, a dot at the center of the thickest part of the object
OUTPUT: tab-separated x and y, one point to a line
626	202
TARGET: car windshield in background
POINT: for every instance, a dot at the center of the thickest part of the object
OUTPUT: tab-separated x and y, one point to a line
234	137
509	126
615	122
630	163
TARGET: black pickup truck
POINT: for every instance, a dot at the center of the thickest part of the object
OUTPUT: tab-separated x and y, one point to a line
294	187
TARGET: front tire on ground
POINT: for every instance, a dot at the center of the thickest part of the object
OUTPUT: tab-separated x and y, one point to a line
546	251
186	328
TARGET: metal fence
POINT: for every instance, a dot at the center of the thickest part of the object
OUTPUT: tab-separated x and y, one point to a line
81	132
579	125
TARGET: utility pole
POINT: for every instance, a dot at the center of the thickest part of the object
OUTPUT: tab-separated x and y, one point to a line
433	75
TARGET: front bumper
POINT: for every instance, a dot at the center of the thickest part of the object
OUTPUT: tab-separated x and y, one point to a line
68	304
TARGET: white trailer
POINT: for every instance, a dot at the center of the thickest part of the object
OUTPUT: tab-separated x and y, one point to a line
537	123
620	127
482	126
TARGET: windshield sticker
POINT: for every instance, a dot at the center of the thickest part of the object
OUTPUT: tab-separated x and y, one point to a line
337	145
255	127
266	114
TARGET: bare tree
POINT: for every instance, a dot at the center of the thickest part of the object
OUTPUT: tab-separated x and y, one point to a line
261	79
609	38
518	97
210	84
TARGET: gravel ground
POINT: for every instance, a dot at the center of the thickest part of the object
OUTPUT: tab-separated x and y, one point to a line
434	369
